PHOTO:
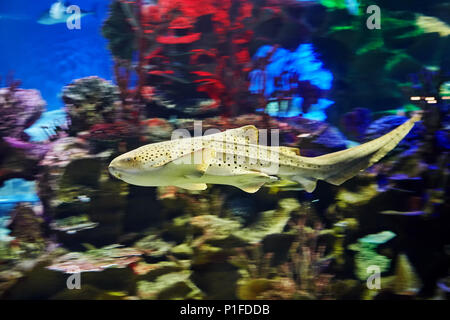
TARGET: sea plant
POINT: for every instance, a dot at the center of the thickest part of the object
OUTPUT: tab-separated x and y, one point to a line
367	256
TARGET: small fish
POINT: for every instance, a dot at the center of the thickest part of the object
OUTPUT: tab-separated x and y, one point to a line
235	158
58	14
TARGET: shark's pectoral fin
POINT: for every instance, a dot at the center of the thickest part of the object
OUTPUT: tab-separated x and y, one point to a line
308	184
193	186
252	181
251	187
192	165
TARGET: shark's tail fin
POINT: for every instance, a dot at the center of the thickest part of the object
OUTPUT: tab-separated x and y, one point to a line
353	160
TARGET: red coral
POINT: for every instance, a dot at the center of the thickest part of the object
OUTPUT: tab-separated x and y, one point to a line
155	54
111	131
243	56
245	10
197	54
220	74
160	72
148	92
151	14
203	73
213	88
180	23
243	38
179	40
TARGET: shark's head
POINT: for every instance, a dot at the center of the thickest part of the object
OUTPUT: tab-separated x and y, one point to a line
125	166
143	166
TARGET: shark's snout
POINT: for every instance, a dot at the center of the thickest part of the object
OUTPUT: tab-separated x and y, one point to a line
113	170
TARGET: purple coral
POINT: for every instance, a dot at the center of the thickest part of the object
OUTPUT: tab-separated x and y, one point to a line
19	109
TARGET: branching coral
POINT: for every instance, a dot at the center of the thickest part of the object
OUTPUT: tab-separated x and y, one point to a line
204	45
301	276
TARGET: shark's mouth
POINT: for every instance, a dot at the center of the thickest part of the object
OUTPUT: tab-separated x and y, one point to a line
114	172
123	173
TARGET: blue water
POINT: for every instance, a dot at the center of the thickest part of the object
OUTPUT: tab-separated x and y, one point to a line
14	191
47	57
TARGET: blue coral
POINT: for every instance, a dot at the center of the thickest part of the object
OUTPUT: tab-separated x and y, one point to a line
301	64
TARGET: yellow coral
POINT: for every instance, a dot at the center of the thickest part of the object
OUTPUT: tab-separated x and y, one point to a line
433	24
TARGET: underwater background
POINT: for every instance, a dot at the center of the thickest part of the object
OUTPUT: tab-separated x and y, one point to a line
329	74
52	52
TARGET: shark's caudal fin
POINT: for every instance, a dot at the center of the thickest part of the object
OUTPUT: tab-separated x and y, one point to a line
349	162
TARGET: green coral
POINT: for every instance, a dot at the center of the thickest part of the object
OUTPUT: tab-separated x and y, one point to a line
406	280
367	255
120	35
334	4
152	245
213	227
270	222
73	224
173	286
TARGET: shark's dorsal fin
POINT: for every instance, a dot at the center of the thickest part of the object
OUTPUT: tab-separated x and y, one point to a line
246	134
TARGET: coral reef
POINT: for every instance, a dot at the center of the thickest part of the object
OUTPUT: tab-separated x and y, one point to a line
300	275
89	101
174	285
217	39
232	63
73	181
19	110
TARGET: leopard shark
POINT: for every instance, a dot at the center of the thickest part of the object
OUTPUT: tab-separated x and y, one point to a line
234	157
